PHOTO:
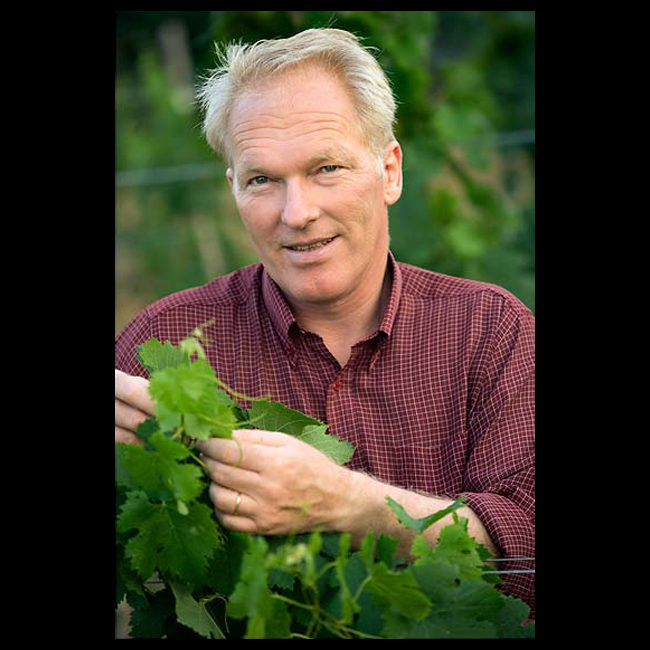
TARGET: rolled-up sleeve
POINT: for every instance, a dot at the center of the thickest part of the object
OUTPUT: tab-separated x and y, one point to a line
499	483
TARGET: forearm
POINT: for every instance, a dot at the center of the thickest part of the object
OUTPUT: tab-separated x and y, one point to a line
369	512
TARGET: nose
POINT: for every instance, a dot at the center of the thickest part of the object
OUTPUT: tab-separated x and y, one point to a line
298	209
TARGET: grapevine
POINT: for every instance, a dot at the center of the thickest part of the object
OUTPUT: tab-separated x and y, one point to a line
184	576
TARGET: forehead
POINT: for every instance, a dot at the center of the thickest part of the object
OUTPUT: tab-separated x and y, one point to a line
304	108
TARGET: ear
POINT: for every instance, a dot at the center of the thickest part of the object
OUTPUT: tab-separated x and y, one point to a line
231	178
392	172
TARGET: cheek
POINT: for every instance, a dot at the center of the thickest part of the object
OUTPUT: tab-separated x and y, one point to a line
256	215
362	205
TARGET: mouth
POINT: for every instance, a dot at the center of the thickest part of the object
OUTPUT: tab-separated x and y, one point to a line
310	246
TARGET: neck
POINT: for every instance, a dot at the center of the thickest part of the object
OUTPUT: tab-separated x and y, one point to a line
351	319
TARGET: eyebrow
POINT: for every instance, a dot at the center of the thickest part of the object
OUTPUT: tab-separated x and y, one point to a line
338	154
245	172
332	153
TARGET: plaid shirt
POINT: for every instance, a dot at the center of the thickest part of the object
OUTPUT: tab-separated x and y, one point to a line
439	400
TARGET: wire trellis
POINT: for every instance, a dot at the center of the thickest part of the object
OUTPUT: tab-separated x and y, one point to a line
510	559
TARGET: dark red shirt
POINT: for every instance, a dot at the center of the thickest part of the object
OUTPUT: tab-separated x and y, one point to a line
439	400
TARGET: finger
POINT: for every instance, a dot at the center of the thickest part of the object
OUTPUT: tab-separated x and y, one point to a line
134	391
127	417
231	477
248	436
229	514
127	437
238	523
247	448
262	437
244	455
230	502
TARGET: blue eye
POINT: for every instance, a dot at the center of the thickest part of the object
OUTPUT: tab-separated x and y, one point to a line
330	168
258	180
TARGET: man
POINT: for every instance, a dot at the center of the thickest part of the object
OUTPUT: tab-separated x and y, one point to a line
429	376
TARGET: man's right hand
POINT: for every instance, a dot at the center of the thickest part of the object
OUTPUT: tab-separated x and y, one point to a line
133	405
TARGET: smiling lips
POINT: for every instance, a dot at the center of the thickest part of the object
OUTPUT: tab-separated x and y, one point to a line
308	246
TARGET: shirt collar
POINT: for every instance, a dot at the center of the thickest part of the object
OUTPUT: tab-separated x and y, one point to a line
282	318
390	311
277	308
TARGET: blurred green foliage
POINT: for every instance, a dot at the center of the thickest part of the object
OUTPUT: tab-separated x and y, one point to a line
465	86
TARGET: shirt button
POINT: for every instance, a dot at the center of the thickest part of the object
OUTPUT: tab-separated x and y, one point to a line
337	384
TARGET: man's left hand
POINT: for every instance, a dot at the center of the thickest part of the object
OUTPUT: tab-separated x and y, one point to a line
271	483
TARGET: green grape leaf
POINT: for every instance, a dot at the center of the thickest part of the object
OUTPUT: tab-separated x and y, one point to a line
280	579
252	599
398	590
217	420
183	389
510	618
138	512
154	355
157	471
279	625
222	573
167	420
464	604
340	451
438	580
456	547
386	551
274	416
190	393
146	429
194	614
176	545
467	610
128	583
420	525
150	613
251	596
349	606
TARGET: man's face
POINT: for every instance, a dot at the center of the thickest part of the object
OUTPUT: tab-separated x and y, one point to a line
308	188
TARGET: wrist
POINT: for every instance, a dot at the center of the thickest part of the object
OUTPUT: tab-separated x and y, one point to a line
363	506
364	509
353	501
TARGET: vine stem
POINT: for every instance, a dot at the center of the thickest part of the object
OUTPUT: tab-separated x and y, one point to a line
209	599
241	396
314	609
199	461
335	626
295	603
366	580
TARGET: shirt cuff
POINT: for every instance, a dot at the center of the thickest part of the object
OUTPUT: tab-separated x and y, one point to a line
513	533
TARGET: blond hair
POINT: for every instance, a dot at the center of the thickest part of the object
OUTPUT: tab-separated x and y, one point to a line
339	51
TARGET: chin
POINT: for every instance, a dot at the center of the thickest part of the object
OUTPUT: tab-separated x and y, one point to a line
315	291
313	296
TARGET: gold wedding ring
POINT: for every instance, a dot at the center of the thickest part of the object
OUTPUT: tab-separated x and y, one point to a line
237	503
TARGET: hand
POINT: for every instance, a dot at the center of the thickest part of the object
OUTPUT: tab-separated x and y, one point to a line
133	405
271	483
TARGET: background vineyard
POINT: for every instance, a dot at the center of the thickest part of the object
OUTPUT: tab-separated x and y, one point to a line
465	83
